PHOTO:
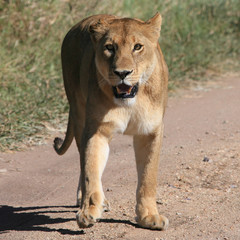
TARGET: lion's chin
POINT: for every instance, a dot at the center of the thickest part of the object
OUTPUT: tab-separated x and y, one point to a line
123	91
125	102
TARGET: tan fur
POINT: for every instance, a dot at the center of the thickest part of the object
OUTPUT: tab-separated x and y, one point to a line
96	114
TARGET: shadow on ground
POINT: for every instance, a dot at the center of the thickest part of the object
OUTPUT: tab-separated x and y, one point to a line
38	219
35	219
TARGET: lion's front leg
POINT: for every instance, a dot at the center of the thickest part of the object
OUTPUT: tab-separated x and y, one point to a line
94	155
147	152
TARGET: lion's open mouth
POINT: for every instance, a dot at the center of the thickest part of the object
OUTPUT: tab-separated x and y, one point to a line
125	91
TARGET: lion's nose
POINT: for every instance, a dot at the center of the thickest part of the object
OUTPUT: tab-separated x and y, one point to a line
122	74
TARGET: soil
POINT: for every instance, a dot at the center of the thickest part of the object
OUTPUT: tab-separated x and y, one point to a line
199	178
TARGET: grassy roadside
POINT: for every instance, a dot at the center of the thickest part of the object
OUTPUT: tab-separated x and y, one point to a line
197	35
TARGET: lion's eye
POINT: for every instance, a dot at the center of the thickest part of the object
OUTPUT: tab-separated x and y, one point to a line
109	47
137	47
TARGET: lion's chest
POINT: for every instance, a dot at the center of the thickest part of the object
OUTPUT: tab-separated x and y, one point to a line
139	121
142	123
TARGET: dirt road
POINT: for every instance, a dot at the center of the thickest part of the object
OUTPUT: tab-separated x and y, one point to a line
199	178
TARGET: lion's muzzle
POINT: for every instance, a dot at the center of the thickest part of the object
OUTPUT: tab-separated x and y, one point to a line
125	91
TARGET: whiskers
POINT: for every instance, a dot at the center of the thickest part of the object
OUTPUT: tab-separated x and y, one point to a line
144	80
131	80
102	81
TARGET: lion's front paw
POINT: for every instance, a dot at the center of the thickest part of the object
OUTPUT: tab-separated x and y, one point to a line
157	222
86	218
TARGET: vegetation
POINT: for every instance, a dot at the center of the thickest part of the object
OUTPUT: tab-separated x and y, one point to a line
196	35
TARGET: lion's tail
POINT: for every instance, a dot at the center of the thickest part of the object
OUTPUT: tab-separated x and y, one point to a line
61	146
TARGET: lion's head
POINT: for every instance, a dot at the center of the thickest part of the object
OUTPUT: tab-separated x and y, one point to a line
125	53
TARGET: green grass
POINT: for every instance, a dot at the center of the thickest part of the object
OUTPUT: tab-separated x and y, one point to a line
197	35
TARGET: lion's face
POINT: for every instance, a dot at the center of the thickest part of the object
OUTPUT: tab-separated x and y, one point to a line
125	53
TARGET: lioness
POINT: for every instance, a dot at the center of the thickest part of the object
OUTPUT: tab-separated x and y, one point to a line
116	80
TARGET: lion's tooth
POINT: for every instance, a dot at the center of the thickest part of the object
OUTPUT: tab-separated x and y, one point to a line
118	90
129	90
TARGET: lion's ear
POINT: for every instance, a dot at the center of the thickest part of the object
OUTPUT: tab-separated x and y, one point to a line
155	24
98	29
